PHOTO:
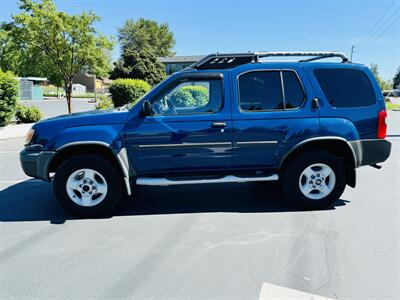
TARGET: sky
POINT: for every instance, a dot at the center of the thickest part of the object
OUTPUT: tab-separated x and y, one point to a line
203	27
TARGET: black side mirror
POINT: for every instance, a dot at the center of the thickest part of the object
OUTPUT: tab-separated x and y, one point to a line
146	109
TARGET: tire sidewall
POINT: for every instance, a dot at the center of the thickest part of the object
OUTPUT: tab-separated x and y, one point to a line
298	165
105	168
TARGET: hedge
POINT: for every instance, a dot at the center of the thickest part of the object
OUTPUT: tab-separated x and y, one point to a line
190	96
9	90
104	102
124	91
28	114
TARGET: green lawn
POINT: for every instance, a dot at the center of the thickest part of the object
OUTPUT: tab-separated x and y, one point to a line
392	106
87	95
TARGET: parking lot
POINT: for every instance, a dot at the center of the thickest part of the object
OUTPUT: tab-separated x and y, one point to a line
52	107
202	242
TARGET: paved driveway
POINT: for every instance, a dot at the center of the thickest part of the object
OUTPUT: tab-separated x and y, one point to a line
53	107
211	242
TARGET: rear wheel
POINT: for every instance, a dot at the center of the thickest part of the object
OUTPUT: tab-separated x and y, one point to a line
314	179
87	185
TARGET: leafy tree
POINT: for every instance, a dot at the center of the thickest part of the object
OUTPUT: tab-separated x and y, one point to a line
66	43
396	79
384	85
142	43
140	65
135	36
23	59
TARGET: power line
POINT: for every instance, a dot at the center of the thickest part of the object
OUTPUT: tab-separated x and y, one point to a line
377	22
382	33
378	29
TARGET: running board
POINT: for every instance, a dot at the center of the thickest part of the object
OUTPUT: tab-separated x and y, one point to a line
226	179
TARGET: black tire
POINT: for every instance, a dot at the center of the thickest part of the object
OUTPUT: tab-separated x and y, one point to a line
294	169
102	166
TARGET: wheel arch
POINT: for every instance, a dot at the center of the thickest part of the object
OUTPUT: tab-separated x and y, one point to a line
118	157
336	145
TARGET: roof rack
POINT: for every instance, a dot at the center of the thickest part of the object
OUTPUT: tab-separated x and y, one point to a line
230	60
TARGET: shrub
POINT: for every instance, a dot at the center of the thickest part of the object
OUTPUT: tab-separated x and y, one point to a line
28	114
104	102
190	96
124	91
9	90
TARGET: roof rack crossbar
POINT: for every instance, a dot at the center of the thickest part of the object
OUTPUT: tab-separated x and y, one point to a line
229	60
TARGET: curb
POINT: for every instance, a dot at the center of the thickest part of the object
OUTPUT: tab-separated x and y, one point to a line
14	131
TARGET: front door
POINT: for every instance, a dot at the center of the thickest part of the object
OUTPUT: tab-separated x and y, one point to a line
190	129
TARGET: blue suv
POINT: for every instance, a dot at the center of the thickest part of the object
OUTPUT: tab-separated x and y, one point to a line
227	118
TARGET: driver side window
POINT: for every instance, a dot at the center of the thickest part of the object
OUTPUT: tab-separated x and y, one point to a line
190	97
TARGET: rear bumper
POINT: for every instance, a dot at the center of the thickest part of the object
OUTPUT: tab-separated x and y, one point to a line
36	163
370	152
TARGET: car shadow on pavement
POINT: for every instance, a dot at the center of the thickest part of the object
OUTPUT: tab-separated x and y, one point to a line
34	200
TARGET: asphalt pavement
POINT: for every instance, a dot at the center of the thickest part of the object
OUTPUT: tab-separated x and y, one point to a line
52	107
230	241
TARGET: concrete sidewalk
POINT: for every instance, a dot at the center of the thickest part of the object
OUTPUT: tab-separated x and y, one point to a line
50	108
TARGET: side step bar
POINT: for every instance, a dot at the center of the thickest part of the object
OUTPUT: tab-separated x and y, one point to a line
226	179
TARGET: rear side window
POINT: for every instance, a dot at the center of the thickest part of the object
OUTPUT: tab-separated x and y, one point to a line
260	91
294	95
346	87
270	90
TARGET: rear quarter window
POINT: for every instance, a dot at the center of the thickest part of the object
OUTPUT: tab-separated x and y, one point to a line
346	87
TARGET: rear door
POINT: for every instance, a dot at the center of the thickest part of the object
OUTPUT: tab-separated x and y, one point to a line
271	112
348	92
190	131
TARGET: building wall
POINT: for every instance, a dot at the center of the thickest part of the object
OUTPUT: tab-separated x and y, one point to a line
175	67
86	80
30	90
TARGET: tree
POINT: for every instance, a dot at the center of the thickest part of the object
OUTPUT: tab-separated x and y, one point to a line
139	65
23	59
396	79
135	36
66	43
142	43
384	85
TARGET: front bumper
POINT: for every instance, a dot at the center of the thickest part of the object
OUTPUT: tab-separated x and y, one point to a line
36	163
370	152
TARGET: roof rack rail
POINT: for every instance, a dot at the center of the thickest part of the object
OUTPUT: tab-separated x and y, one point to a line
230	60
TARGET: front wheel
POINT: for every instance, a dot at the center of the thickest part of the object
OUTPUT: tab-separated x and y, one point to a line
314	179
87	185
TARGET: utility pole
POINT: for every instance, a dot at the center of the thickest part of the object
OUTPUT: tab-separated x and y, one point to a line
351	54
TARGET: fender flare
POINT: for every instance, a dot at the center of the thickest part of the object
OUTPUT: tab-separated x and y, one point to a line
322	138
121	156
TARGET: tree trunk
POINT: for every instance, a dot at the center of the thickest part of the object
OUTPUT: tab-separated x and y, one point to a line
68	93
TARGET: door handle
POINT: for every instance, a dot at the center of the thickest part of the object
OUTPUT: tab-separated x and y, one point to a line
315	103
218	124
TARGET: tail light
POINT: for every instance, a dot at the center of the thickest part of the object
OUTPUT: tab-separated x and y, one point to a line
382	127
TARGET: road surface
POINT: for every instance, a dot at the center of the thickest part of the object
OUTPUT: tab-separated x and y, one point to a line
231	241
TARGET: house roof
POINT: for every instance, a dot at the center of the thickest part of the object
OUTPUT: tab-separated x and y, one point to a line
106	80
33	78
181	59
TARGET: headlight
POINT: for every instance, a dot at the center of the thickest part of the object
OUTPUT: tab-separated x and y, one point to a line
29	136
